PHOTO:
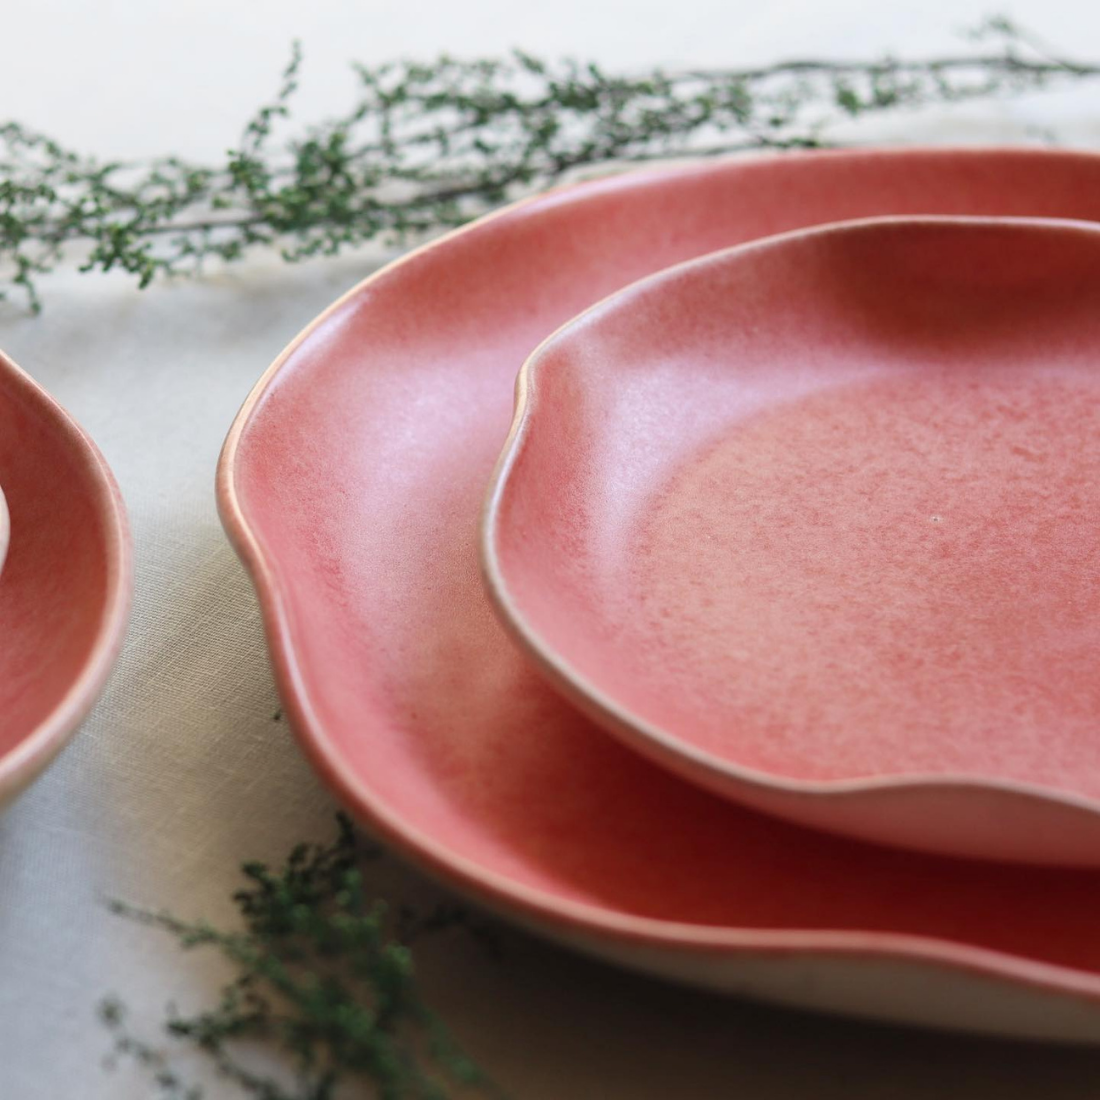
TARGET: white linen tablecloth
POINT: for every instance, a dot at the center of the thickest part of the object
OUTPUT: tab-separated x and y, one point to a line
182	771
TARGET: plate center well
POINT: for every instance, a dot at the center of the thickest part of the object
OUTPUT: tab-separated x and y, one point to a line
895	576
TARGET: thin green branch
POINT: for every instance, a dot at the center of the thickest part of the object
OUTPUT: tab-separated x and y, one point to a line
323	980
428	146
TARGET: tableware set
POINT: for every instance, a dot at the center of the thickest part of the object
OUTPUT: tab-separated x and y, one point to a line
751	645
352	483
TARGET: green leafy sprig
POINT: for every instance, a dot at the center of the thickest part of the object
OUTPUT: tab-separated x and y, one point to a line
428	146
323	979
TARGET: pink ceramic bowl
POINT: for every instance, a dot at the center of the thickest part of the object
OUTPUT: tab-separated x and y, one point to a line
65	588
351	484
813	522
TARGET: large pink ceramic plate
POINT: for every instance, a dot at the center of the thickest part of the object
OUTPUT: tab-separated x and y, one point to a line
65	587
813	522
351	483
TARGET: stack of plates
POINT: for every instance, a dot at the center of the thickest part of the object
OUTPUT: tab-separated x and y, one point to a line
803	527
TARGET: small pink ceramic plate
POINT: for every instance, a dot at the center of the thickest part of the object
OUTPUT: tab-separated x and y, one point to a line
65	588
351	484
816	523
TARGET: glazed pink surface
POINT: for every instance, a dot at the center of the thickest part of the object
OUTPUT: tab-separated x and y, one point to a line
822	510
65	587
351	483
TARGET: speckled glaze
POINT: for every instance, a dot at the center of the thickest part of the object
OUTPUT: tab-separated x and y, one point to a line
814	523
65	588
351	484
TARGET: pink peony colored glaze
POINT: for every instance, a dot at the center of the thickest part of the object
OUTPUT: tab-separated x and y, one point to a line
351	485
65	588
813	522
